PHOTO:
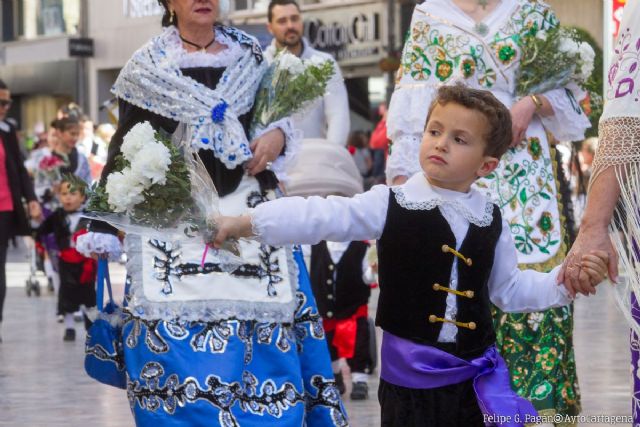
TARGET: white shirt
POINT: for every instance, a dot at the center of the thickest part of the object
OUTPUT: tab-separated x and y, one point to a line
326	118
363	217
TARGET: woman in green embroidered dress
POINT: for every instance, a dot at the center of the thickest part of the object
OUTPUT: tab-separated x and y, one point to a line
477	42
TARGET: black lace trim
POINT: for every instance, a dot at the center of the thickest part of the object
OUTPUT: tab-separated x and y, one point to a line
244	39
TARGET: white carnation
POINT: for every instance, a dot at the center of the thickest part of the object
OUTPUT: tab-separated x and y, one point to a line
134	141
568	46
291	63
124	190
317	60
152	163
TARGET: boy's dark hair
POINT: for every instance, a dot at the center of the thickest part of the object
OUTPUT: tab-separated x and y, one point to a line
498	116
274	3
3	85
65	123
75	184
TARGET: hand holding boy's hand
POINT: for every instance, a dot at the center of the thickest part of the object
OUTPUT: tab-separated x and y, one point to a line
230	227
595	265
35	211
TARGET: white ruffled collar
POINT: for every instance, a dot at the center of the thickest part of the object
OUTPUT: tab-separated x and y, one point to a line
185	59
418	194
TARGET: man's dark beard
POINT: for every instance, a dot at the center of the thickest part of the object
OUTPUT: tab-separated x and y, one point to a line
291	44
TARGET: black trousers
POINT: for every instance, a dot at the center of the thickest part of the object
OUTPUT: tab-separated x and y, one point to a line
362	359
6	221
454	405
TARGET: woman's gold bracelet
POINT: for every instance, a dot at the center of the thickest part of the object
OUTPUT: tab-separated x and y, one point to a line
536	101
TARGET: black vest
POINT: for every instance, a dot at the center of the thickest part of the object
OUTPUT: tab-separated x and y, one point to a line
411	261
339	288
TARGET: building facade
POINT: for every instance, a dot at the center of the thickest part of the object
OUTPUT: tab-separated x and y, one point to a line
38	36
37	57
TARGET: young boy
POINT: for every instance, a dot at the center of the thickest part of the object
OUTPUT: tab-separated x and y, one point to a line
341	277
68	133
77	272
444	255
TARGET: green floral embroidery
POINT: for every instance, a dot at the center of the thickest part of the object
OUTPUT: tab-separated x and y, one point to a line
545	223
506	53
520	343
488	78
541	391
468	67
420	32
521	186
534	147
546	359
444	69
429	52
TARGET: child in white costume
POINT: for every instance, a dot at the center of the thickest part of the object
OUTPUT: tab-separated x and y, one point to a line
439	269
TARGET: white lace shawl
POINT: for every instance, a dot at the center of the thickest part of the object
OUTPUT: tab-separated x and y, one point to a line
152	80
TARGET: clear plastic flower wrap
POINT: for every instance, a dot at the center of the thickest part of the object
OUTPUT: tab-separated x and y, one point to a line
289	85
552	59
160	189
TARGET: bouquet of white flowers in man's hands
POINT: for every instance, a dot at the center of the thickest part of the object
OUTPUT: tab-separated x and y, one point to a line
551	60
158	188
288	86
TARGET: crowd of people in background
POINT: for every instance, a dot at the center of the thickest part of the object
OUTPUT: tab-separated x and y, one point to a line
334	159
71	146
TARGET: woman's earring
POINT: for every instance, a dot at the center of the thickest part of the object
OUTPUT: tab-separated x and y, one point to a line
172	17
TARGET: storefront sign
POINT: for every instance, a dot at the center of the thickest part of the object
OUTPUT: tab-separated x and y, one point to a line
141	8
81	47
353	34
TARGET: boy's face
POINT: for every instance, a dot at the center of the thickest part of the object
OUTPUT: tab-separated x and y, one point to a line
452	151
71	201
69	137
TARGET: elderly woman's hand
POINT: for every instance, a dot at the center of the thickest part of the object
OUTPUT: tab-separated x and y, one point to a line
590	239
266	149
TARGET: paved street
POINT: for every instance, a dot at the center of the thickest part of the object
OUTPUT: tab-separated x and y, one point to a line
42	382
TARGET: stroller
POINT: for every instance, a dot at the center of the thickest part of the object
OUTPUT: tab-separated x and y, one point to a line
36	256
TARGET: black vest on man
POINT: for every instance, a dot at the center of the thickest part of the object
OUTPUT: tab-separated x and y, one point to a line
412	260
339	288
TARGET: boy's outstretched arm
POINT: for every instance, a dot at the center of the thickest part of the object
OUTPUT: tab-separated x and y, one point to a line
290	220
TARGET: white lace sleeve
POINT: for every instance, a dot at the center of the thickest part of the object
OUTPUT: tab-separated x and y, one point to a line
99	243
405	124
293	139
568	123
408	108
403	159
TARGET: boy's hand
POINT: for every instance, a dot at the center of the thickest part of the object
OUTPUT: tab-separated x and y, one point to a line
230	227
594	264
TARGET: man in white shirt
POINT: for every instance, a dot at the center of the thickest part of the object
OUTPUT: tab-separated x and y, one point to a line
328	117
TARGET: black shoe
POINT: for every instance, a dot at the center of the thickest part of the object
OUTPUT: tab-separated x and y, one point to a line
360	391
69	335
340	383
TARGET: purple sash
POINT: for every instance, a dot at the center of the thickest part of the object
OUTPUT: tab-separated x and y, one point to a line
411	365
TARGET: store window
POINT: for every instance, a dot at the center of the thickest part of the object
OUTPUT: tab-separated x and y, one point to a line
43	18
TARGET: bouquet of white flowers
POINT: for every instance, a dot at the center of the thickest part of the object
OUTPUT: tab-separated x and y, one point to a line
553	59
159	188
289	85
